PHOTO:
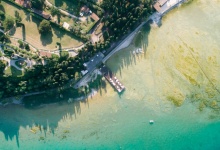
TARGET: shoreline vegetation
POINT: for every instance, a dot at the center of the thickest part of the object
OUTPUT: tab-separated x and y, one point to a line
59	71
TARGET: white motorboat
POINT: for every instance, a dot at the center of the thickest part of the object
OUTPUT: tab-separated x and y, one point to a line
151	121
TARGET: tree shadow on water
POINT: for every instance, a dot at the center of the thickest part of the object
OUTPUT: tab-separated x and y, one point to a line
129	57
45	116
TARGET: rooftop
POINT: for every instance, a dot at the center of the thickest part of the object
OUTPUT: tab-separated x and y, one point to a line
94	61
66	25
94	17
46	54
162	2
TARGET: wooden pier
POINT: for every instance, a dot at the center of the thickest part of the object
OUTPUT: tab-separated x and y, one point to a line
112	79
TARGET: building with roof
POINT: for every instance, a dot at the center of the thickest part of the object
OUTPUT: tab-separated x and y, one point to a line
159	4
66	25
94	17
162	2
45	54
94	61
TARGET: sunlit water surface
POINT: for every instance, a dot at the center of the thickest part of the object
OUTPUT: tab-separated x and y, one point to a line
180	66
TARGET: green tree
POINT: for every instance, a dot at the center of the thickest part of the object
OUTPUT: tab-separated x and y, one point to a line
8	23
2	68
2	15
44	27
54	11
38	4
17	17
27	47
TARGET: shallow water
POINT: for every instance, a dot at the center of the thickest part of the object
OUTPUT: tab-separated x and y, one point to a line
181	65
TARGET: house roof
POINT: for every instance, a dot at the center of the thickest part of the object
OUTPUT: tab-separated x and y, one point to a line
47	54
162	2
157	7
84	9
66	25
94	17
94	61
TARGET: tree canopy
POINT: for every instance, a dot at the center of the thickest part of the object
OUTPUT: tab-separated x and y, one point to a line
2	67
38	4
54	11
8	23
44	26
123	16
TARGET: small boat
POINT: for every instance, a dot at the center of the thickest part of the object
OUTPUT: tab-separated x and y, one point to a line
140	50
151	121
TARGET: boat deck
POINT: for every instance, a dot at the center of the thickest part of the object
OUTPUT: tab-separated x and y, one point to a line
112	79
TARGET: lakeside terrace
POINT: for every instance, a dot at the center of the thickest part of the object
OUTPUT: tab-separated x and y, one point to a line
165	7
94	62
106	72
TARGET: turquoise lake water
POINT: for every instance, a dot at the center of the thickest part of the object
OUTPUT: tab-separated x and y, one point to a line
175	82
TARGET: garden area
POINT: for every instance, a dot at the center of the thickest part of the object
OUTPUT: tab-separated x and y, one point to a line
85	26
72	6
20	63
12	71
29	32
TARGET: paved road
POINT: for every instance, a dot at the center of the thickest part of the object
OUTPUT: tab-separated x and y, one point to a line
11	62
129	38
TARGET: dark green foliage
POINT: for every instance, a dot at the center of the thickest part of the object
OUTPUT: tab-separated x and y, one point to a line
27	47
123	16
4	38
54	11
2	67
2	15
44	27
8	23
17	17
21	44
38	4
8	52
56	73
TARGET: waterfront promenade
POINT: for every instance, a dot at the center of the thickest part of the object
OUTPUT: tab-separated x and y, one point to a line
112	79
155	17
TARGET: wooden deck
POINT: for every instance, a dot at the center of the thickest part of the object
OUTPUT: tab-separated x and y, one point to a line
112	79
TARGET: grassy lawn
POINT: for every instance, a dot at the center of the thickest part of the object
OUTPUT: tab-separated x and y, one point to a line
30	32
69	5
67	19
12	71
86	26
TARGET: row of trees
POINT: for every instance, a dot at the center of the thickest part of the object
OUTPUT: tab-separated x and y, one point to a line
56	73
123	16
38	4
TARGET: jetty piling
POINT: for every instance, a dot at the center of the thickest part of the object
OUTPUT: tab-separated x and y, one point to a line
112	79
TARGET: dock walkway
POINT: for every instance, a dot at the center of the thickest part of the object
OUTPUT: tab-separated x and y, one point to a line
112	79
